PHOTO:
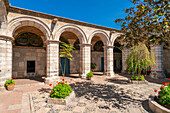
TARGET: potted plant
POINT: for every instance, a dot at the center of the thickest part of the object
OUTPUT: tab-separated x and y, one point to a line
93	66
90	75
10	84
161	101
61	93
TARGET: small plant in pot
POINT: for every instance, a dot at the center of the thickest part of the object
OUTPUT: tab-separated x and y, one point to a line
90	75
93	66
10	84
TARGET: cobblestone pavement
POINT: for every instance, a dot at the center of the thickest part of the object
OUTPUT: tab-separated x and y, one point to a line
101	95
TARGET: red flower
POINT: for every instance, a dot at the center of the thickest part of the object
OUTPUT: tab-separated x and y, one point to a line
150	70
145	75
159	92
163	83
12	79
168	78
162	87
50	84
138	74
62	79
155	90
58	82
50	95
63	83
51	91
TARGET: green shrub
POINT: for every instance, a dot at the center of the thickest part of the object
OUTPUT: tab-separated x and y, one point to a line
62	90
164	95
10	81
90	74
138	78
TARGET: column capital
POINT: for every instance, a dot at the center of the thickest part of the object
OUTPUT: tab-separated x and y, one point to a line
108	46
6	38
51	42
85	45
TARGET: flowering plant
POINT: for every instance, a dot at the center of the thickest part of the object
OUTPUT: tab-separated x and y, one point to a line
137	77
61	90
164	94
10	81
90	74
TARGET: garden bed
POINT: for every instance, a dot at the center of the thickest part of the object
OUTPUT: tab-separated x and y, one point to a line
156	107
61	101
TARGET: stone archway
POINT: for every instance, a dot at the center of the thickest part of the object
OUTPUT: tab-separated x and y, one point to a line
108	51
29	53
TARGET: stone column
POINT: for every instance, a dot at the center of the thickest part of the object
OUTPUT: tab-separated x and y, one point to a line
157	71
85	60
5	59
108	61
52	59
125	53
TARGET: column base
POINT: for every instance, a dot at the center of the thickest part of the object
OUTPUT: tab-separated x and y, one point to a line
50	80
111	74
157	74
83	76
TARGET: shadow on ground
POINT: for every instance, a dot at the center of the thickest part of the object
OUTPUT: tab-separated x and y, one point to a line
111	95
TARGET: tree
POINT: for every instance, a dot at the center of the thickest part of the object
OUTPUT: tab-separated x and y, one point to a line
140	59
147	22
65	51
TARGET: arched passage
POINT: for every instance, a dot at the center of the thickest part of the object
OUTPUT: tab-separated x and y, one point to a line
29	52
98	39
71	66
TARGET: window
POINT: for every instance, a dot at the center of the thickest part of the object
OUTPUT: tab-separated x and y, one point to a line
30	66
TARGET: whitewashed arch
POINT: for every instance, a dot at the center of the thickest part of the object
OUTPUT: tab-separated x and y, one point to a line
18	22
114	37
104	37
71	28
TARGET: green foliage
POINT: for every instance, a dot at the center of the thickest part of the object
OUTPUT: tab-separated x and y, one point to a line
90	74
93	65
65	51
136	77
164	95
9	81
148	21
62	90
139	59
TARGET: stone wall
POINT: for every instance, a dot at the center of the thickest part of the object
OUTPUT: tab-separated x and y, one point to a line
96	58
166	61
20	58
75	63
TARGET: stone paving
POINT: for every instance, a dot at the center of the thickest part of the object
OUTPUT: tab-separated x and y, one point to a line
101	95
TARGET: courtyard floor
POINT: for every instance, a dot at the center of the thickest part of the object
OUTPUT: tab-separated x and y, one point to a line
101	94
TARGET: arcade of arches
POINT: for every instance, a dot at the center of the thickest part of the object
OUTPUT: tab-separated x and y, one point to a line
29	46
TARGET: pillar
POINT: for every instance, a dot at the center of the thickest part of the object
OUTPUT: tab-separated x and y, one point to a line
52	65
157	70
125	53
108	61
85	60
5	59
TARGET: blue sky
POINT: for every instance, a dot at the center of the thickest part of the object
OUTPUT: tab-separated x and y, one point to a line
99	12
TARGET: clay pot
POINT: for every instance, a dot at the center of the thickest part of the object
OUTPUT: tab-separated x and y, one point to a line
10	87
89	78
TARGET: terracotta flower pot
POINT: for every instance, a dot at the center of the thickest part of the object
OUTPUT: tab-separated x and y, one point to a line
10	87
89	78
